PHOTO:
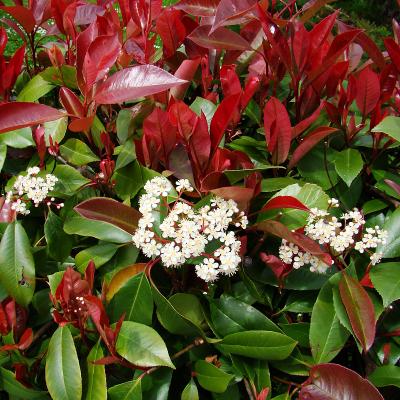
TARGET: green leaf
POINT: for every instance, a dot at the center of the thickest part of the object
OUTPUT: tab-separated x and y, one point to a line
100	254
63	373
3	155
264	345
386	280
190	392
391	248
139	308
142	346
64	76
327	335
55	129
211	378
230	315
17	267
374	205
389	125
298	331
75	224
96	375
16	389
275	184
54	233
125	125
207	107
36	88
386	375
126	154
348	164
126	391
128	180
19	138
188	305
77	152
69	180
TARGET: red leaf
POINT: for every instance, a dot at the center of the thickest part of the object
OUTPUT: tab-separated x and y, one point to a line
186	71
334	382
131	83
111	211
26	339
368	91
19	115
299	128
198	8
284	202
360	310
100	57
171	30
278	131
222	118
220	39
312	7
231	12
304	242
3	39
263	394
321	31
23	15
229	80
71	102
241	195
278	267
309	142
394	52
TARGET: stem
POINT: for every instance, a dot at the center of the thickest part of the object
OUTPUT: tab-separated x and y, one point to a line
197	342
41	331
249	389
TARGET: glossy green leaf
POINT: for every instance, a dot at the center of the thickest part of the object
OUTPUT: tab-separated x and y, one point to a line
100	254
142	345
386	280
17	267
327	335
139	308
188	305
3	155
211	378
348	164
55	129
190	391
63	373
230	315
96	388
126	154
389	125
391	248
126	391
77	152
69	180
75	224
54	233
64	76
19	139
35	89
264	345
386	375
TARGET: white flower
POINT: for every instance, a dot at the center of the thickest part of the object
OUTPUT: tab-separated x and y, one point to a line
171	255
376	258
158	186
183	185
208	270
333	202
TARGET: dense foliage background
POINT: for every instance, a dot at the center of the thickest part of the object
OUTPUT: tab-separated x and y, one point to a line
290	109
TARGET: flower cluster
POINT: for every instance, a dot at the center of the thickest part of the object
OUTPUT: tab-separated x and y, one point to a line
336	235
31	187
180	233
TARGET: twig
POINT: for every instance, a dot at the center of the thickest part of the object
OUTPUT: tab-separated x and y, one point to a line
249	389
41	331
195	343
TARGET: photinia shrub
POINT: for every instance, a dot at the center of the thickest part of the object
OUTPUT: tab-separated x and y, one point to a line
199	200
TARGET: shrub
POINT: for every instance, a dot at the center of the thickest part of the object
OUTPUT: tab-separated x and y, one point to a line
200	200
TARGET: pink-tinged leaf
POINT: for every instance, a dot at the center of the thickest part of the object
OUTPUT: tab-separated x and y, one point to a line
394	52
299	128
335	382
19	115
3	40
311	140
222	118
100	57
132	83
241	195
81	124
284	202
301	45
71	102
87	13
278	131
360	310
220	39
263	394
277	266
40	10
198	8
304	242
395	186
368	91
186	71
23	15
7	214
231	12
111	211
171	30
26	339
